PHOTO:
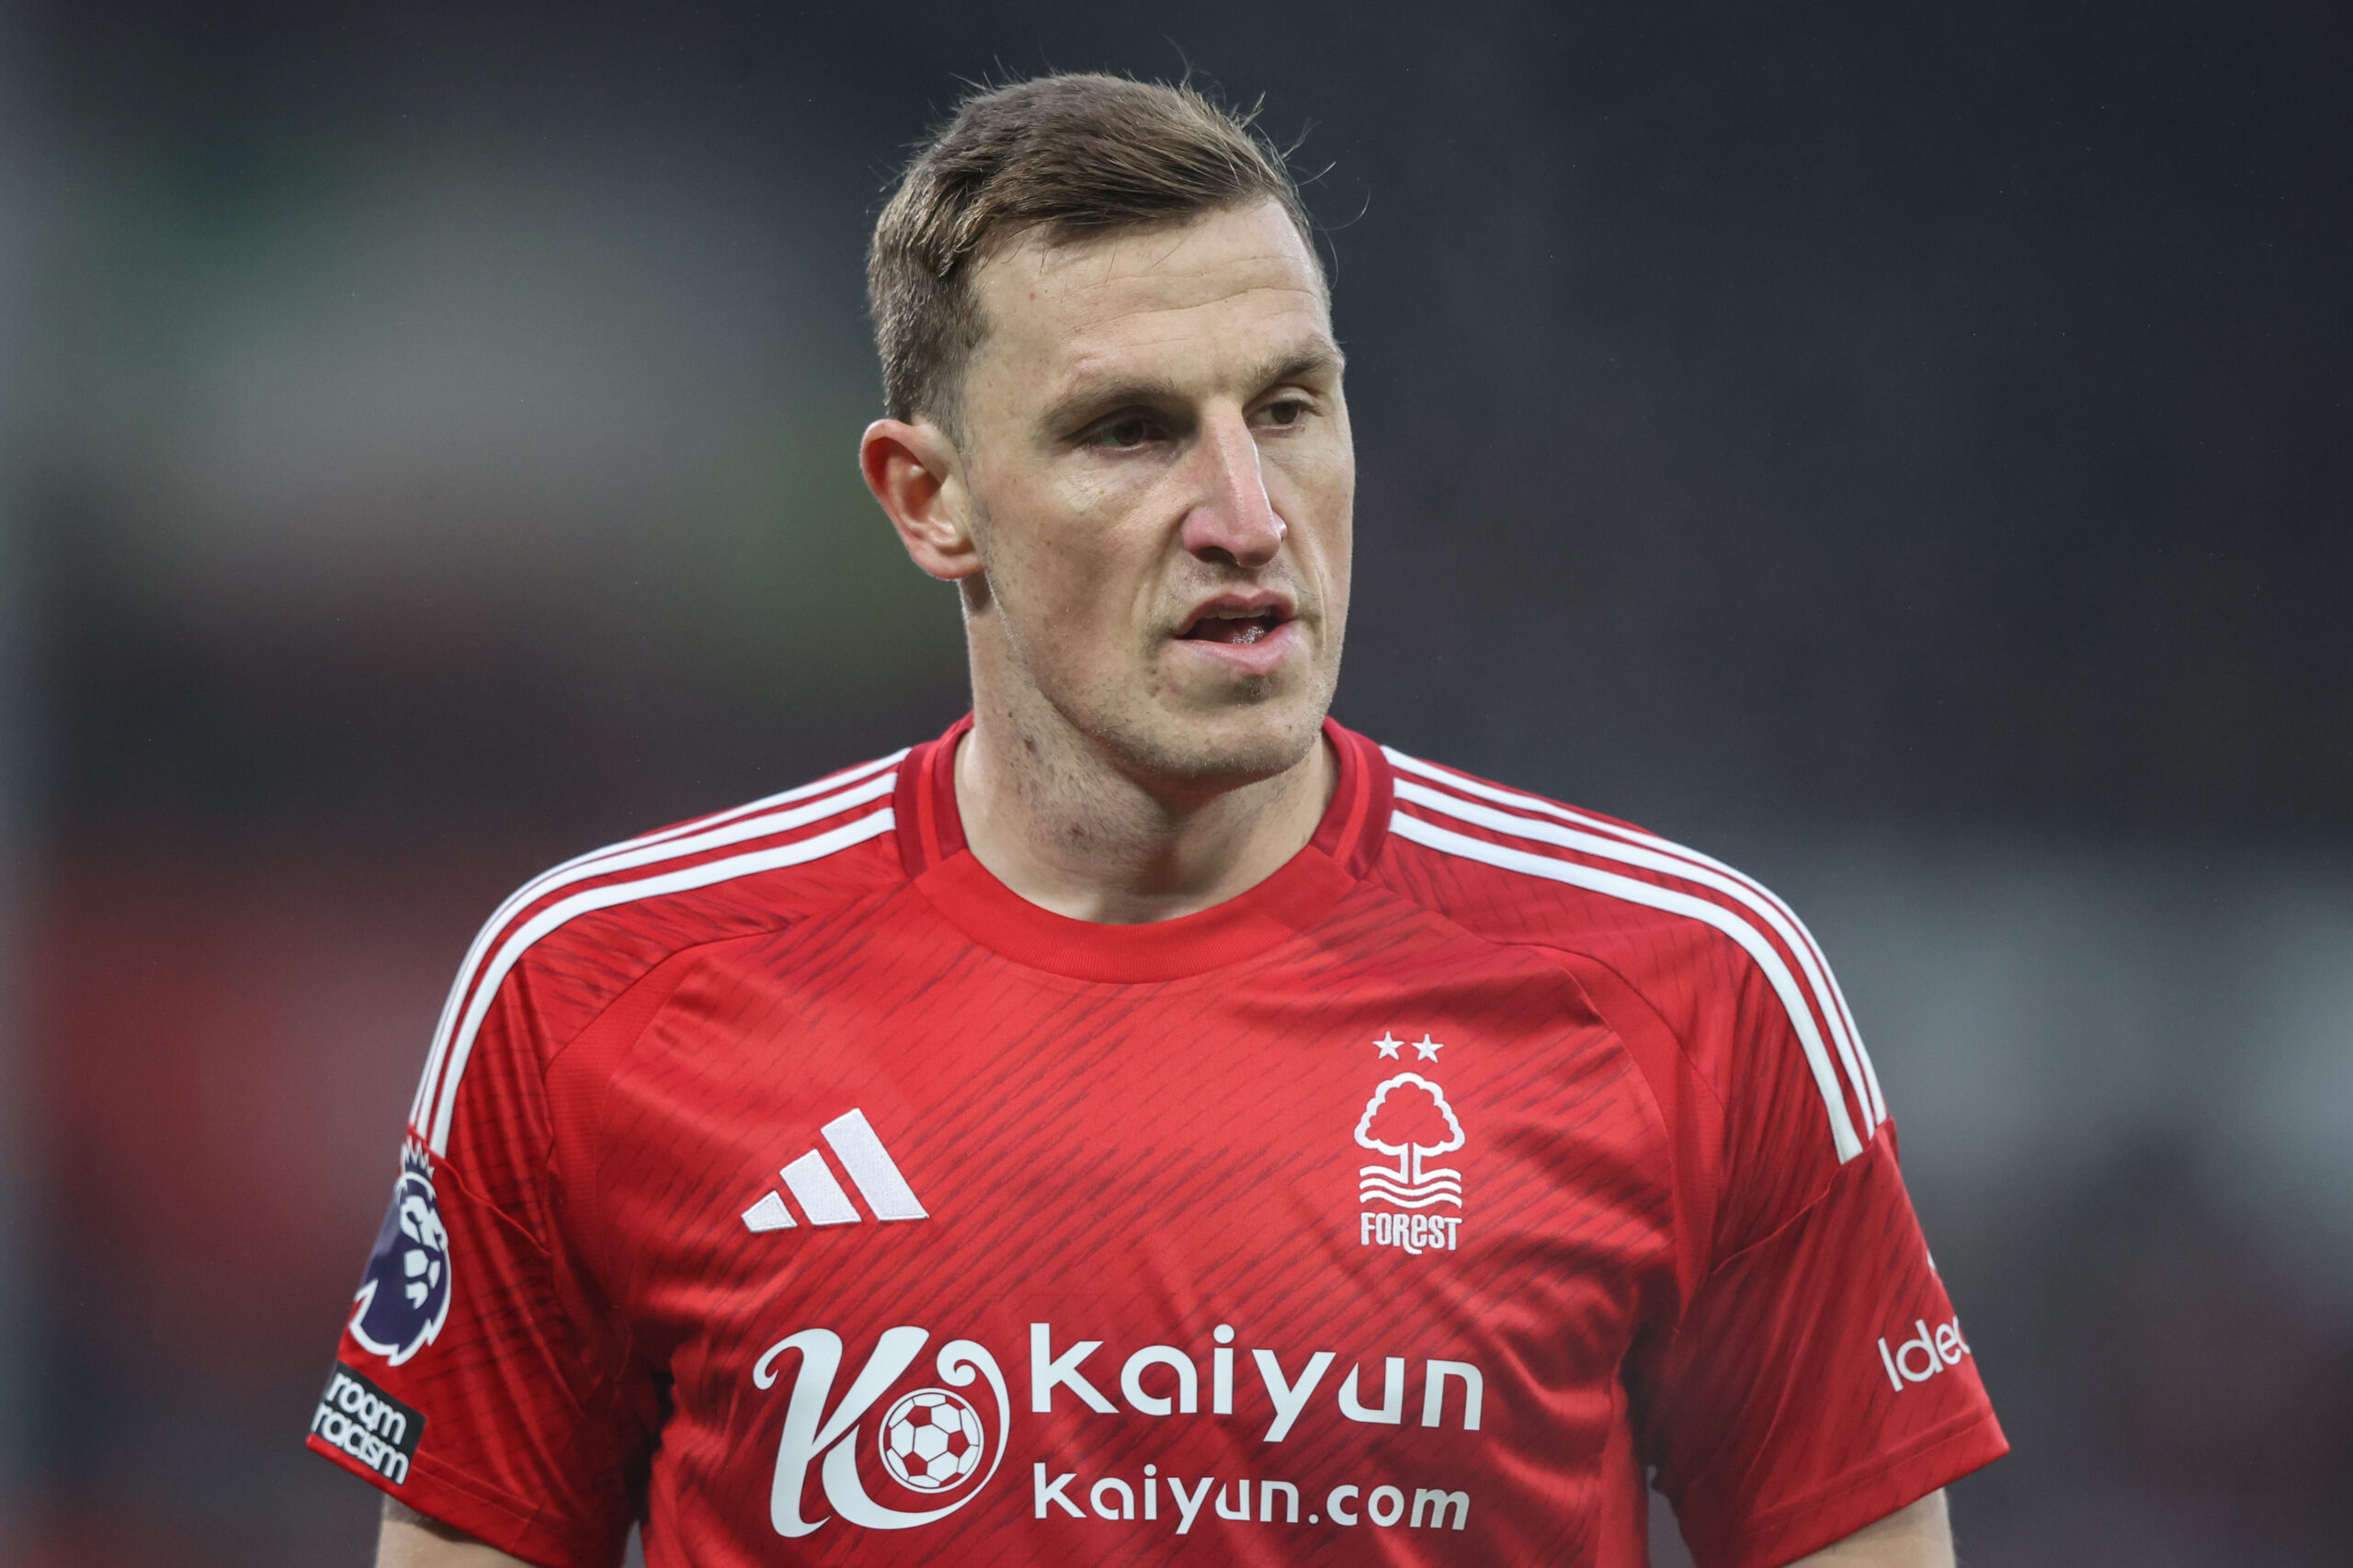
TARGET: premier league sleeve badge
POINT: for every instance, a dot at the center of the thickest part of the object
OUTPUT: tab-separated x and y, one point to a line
404	1297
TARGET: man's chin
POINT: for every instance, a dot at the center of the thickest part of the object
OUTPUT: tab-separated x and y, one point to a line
1227	745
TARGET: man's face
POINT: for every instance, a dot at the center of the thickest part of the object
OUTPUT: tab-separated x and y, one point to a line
1158	465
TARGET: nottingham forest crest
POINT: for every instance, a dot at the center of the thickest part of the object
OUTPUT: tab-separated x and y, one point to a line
1407	1118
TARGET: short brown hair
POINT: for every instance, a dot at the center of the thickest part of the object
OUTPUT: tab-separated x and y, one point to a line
1071	154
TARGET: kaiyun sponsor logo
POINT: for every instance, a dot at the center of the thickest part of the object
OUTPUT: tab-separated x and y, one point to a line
1115	1498
812	1433
939	1444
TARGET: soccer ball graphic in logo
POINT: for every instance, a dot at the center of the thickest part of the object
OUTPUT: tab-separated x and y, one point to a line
931	1441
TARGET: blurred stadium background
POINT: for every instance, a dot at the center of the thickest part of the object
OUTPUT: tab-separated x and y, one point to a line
1903	450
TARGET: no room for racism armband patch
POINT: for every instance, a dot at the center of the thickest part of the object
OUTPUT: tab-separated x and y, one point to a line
368	1424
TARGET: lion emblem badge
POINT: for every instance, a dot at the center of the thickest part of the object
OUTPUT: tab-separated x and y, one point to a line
404	1297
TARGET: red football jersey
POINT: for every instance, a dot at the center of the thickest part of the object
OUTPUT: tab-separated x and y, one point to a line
784	1180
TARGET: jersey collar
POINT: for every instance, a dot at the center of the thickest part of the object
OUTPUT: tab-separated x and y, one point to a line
946	871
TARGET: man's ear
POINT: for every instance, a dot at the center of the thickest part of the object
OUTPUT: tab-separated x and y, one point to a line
914	473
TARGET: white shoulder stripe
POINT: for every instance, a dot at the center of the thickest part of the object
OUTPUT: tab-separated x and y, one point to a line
1650	859
685	839
727	827
1759	897
841	780
1610	884
556	915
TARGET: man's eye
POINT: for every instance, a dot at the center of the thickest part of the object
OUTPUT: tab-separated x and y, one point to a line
1126	433
1290	411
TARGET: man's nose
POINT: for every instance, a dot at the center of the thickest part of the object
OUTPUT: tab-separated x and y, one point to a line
1231	520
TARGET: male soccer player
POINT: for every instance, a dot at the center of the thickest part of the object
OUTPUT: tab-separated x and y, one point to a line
1149	1123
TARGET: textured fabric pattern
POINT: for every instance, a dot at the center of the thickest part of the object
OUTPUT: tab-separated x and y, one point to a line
1403	1210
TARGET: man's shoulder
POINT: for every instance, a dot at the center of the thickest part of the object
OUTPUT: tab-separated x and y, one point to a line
1516	866
1711	953
565	946
754	867
580	932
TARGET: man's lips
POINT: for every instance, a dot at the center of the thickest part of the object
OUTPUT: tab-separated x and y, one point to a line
1235	632
1237	622
1252	636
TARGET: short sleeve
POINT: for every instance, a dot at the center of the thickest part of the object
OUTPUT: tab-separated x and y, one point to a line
1817	1381
480	1379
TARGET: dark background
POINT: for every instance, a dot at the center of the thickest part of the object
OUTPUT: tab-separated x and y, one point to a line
1901	450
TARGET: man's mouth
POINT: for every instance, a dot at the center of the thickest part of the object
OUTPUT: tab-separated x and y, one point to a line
1235	628
1238	620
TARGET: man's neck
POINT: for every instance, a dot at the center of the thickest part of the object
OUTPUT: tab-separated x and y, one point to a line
1074	834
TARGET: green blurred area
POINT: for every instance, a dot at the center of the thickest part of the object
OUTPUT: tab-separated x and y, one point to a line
814	603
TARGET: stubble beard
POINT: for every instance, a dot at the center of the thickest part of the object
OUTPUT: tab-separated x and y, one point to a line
1264	728
1257	730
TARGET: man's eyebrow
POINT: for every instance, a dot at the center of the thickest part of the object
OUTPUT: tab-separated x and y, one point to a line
1323	359
1086	402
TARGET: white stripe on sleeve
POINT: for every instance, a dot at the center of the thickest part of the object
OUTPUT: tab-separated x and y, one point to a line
1650	859
1818	973
462	1042
709	833
1610	884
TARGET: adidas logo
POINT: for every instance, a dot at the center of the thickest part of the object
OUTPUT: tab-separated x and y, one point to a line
811	1181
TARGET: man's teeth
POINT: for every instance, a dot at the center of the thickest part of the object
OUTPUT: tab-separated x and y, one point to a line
1236	630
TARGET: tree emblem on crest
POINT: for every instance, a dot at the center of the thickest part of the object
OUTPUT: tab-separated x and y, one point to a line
1408	1120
